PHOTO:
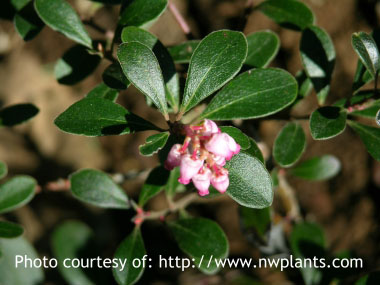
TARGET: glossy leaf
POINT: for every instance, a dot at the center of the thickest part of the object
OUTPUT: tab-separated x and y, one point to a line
173	186
255	221
61	17
68	241
141	67
3	170
253	94
130	34
201	239
370	137
130	248
327	122
182	53
317	168
10	230
97	188
291	14
25	275
114	77
250	183
102	91
263	46
27	22
238	136
16	192
367	50
100	117
307	241
369	110
215	61
154	184
17	114
75	65
289	145
153	144
141	13
318	59
255	151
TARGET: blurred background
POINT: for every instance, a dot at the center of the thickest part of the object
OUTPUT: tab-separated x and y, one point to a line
345	207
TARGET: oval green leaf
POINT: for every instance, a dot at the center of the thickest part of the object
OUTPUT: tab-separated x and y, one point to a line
154	184
17	114
202	240
289	145
104	92
318	59
3	170
61	17
153	144
182	53
27	22
327	122
370	137
25	275
253	94
141	13
129	249
97	188
255	151
68	240
114	77
215	61
290	14
238	136
317	168
250	183
366	48
16	192
100	117
10	230
263	46
141	67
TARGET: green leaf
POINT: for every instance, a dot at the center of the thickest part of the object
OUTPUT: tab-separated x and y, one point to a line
327	122
154	143
202	240
141	67
369	110
114	77
250	183
130	34
366	48
27	22
102	91
238	136
141	13
16	192
305	86
318	59
263	46
68	240
370	137
17	114
61	17
23	274
215	61
100	117
154	184
253	94
10	230
362	76
173	186
317	168
257	221
19	4
97	188
255	151
290	14
131	248
307	241
182	53
75	65
3	170
378	117
289	145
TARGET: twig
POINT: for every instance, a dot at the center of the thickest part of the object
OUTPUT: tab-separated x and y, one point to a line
180	20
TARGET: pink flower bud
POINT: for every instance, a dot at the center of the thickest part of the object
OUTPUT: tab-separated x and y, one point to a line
220	182
210	128
201	181
219	160
234	147
174	157
219	145
188	168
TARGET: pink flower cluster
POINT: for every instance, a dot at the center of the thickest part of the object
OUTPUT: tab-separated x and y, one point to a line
202	156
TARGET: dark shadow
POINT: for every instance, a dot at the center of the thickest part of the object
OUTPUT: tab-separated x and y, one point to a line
28	23
17	114
329	112
114	77
7	11
138	124
165	61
